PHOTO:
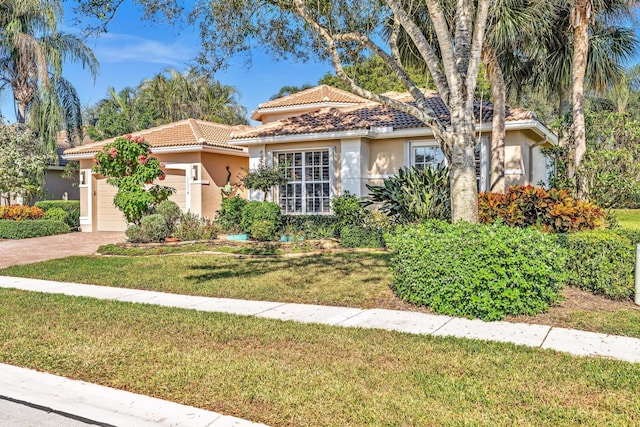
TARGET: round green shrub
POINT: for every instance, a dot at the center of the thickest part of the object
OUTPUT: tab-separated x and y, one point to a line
56	214
230	214
154	227
72	207
171	213
263	230
261	211
475	270
134	234
349	210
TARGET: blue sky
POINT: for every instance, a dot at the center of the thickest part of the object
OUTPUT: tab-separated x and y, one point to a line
133	50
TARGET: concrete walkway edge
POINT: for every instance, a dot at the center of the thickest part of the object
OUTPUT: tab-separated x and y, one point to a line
103	405
580	343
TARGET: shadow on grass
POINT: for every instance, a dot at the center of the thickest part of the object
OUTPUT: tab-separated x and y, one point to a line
337	264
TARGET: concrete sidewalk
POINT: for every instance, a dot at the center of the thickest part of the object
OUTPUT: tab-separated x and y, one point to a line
576	342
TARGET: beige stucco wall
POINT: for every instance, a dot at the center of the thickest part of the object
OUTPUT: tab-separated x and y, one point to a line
214	171
386	156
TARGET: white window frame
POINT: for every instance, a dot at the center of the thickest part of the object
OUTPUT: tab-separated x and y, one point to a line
483	145
331	153
412	145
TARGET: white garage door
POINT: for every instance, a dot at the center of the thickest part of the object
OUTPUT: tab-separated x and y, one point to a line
109	218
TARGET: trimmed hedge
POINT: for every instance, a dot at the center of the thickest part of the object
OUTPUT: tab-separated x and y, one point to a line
31	228
601	262
71	207
355	236
312	226
475	270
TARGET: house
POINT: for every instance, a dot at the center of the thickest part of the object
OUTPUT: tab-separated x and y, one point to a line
331	141
328	140
199	165
57	186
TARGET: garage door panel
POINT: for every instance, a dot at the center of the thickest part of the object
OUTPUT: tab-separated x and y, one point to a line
176	179
108	216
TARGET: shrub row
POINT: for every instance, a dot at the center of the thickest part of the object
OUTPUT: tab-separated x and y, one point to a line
476	270
601	262
10	229
357	236
552	211
20	212
70	207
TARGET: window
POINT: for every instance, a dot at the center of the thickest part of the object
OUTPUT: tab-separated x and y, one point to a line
425	156
309	186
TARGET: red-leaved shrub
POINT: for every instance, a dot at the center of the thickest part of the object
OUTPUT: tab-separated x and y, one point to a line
20	212
553	211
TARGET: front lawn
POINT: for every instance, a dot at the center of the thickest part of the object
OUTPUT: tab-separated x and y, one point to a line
628	218
348	279
289	374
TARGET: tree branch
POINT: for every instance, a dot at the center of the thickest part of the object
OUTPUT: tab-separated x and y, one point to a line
422	44
426	115
476	49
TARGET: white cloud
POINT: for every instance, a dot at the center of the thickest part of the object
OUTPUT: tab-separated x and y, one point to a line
114	48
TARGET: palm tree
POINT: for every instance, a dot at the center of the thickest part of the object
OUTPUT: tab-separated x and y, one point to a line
178	96
583	14
32	53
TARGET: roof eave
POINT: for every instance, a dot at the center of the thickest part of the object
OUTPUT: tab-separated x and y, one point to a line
172	149
281	139
260	112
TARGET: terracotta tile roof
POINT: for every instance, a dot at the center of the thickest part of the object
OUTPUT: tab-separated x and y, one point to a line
315	95
190	132
370	115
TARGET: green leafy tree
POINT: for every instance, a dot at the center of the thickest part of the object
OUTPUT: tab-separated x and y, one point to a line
23	163
612	161
290	90
127	164
374	75
264	177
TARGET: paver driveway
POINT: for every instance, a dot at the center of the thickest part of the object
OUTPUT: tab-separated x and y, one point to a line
26	251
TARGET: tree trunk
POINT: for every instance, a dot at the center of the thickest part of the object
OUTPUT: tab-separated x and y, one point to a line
580	51
462	180
498	93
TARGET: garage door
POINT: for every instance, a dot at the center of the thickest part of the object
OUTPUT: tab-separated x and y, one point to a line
176	179
109	218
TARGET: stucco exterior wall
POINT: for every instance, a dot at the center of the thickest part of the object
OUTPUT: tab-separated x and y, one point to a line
56	187
214	178
386	157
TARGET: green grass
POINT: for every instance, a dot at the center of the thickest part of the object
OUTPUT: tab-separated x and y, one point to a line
287	374
348	279
629	218
112	249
